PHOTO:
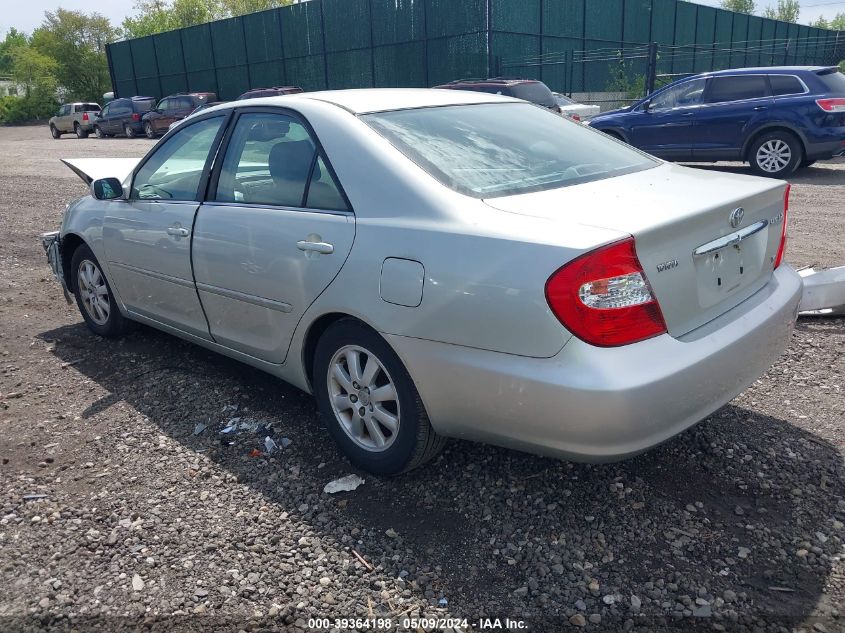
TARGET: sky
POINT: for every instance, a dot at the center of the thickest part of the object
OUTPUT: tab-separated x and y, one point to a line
28	14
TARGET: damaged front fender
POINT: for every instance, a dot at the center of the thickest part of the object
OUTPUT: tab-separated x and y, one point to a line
52	243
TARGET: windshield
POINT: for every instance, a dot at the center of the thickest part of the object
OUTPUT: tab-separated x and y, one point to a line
535	92
500	149
833	81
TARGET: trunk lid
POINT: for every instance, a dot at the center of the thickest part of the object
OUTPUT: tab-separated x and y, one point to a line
698	264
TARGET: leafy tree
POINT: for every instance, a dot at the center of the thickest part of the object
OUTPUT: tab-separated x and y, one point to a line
157	16
33	70
740	6
13	40
837	23
786	11
242	7
77	41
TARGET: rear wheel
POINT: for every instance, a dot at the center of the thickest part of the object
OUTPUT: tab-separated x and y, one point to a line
776	154
80	133
148	130
130	133
369	402
55	132
94	297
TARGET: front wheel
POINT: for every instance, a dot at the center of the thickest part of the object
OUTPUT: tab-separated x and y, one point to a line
776	154
148	130
94	297
369	402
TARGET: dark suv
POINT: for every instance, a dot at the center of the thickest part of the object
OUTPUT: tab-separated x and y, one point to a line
123	116
526	89
173	108
778	119
255	93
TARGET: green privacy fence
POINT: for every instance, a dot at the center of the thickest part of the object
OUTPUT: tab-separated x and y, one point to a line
326	44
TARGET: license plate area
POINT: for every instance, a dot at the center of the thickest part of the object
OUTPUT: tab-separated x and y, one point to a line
730	264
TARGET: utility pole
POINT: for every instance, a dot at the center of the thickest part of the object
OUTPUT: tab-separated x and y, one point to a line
651	69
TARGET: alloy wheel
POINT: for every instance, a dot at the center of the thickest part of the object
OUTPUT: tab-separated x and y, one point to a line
363	398
774	156
93	292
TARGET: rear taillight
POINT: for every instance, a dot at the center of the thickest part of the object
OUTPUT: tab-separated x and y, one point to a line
575	117
603	297
782	246
831	105
136	116
84	116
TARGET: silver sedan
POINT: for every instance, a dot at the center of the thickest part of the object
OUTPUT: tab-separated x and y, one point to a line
434	264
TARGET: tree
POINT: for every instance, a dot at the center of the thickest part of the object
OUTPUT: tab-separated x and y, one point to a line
13	40
157	16
786	11
77	41
740	6
837	23
33	70
242	7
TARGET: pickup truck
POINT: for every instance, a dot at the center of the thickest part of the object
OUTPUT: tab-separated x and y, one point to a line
77	118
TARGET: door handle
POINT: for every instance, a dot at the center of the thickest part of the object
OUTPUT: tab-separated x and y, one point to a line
758	108
324	248
178	231
687	114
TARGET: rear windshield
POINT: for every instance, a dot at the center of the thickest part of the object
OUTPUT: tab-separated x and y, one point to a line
490	150
833	81
534	92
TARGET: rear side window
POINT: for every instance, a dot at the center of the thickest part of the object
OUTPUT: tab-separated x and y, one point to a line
144	106
785	85
833	81
272	160
120	108
737	88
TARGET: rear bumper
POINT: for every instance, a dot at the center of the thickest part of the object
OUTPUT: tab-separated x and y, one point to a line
827	149
602	404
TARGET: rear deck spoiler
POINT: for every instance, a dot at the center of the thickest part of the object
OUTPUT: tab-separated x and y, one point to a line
91	169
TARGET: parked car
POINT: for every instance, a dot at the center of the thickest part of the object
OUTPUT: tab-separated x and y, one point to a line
587	304
777	119
525	89
171	109
199	108
574	110
123	116
278	91
74	117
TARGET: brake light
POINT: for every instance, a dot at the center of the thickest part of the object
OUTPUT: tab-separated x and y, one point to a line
831	105
136	116
84	116
575	117
782	246
604	299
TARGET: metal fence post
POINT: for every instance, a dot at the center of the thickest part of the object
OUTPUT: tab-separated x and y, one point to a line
651	68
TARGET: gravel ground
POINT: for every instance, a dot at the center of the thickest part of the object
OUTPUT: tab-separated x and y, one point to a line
140	522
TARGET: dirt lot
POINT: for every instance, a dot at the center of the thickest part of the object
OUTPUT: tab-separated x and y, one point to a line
140	523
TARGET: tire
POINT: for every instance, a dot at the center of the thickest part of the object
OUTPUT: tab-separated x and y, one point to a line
806	163
389	450
54	132
99	132
130	133
102	317
80	133
148	130
775	154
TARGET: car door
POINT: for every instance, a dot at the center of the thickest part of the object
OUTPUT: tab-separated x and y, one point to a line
63	120
731	105
148	236
664	127
161	115
273	235
118	112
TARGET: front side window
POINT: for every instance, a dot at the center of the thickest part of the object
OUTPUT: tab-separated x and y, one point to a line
64	110
105	111
498	149
272	159
174	171
737	88
785	85
683	95
164	105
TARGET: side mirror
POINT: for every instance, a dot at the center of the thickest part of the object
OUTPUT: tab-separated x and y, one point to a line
106	189
647	105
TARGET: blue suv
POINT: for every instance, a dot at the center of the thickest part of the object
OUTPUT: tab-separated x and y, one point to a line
777	119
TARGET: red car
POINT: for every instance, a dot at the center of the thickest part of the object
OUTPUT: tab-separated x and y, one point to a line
173	108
